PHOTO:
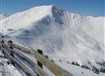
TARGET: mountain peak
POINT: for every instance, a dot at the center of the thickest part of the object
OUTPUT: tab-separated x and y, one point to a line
46	9
40	11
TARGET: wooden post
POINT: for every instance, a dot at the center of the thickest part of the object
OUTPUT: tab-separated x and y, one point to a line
2	46
40	64
11	51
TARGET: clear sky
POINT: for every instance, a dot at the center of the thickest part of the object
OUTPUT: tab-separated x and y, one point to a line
83	7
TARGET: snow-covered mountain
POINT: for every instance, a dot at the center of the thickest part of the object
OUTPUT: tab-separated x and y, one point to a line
60	34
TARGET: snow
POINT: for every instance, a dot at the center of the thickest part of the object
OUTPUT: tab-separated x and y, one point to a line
77	71
26	18
60	34
7	69
2	16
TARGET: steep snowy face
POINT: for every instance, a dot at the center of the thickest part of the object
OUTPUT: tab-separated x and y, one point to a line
60	34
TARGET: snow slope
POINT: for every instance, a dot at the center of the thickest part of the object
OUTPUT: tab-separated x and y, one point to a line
60	34
77	71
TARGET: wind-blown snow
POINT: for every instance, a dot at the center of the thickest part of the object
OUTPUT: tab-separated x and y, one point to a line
60	34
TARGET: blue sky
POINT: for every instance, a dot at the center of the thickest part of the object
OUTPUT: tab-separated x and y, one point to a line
83	7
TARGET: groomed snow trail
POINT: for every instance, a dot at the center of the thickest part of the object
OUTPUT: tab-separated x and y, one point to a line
7	69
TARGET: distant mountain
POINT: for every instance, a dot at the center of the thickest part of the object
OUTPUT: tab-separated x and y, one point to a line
2	16
60	34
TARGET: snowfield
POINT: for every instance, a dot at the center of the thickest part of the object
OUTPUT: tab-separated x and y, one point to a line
61	35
